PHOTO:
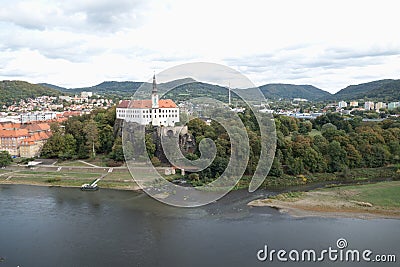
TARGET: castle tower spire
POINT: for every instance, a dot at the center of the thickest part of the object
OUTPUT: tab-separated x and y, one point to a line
229	94
154	91
154	94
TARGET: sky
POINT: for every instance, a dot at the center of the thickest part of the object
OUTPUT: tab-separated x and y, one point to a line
77	43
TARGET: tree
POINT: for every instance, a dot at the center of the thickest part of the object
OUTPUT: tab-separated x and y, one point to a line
117	152
5	158
336	157
106	139
150	146
276	168
305	127
328	127
69	148
313	161
295	165
354	157
92	137
54	146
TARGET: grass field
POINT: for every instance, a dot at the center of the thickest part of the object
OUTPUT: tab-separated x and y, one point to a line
119	180
72	163
385	194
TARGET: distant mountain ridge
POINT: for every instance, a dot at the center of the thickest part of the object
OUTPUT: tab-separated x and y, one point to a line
380	90
271	91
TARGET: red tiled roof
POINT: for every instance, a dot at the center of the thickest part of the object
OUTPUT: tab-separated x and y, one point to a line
36	127
14	133
34	138
31	127
44	126
10	125
166	103
123	104
162	103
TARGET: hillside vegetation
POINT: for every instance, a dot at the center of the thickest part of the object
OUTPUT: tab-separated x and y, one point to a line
290	91
14	91
384	90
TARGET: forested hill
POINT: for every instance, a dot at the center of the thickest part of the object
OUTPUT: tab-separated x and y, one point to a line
104	88
14	91
290	91
271	91
384	90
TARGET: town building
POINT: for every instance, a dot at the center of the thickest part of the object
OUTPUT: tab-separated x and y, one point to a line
342	104
86	94
380	105
300	100
393	105
40	116
23	140
369	105
154	111
353	103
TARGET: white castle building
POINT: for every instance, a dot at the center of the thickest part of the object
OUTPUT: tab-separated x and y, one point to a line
158	112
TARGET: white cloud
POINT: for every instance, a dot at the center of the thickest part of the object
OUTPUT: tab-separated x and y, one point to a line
77	43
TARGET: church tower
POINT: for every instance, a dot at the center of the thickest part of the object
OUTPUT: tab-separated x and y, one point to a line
154	94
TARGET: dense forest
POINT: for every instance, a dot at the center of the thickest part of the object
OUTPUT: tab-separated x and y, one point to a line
329	144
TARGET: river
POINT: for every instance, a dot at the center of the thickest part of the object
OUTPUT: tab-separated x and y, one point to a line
43	226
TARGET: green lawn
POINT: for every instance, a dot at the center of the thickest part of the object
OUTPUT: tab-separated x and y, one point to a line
72	163
118	176
384	194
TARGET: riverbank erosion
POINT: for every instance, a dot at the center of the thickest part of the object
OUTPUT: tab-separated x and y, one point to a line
368	201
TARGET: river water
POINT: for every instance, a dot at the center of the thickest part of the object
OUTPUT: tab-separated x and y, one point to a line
42	226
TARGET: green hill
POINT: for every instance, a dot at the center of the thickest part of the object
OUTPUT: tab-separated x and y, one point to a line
384	90
183	87
105	88
387	92
14	91
191	90
55	87
290	91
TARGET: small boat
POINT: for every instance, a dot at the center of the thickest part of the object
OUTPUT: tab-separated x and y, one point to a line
89	187
92	186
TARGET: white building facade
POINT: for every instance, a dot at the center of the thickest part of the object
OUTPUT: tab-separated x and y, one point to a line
153	111
369	105
342	104
42	116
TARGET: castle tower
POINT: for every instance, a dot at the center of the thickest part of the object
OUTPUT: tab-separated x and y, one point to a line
229	94
154	94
